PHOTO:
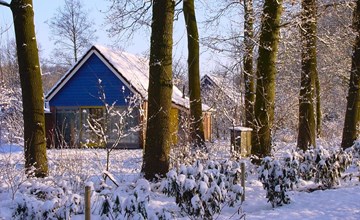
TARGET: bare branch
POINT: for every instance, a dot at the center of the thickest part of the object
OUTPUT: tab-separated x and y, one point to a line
72	30
127	17
4	3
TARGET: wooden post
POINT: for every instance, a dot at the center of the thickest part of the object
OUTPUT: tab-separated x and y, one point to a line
87	202
242	167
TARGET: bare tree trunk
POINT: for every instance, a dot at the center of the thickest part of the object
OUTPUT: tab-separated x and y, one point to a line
352	117
72	31
158	137
266	72
197	128
31	85
307	127
318	106
248	63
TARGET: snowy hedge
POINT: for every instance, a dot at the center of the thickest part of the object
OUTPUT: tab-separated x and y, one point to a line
319	165
202	190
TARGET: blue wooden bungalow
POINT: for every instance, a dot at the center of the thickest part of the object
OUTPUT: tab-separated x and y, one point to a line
104	76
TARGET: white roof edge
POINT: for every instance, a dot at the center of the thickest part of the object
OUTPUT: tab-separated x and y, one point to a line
69	74
119	63
119	76
65	78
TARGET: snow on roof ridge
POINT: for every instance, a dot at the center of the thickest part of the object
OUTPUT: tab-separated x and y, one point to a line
139	70
131	67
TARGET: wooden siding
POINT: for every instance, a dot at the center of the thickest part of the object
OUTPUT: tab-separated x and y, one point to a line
83	88
207	126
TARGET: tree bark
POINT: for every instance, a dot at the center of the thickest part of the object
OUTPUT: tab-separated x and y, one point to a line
266	72
318	106
352	116
158	137
197	128
248	63
307	127
31	85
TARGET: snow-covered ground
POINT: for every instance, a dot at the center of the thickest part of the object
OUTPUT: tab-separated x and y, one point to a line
70	170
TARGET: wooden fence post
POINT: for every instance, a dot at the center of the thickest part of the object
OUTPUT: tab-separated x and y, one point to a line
242	167
87	202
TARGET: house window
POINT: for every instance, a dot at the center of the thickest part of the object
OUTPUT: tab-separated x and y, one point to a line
118	126
124	125
67	127
85	126
92	126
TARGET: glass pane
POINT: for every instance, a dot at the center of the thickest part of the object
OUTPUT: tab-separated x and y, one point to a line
123	126
92	123
67	127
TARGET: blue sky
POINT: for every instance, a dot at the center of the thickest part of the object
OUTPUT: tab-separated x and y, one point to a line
45	10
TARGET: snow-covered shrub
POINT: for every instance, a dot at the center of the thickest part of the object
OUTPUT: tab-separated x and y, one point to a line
111	205
137	203
72	169
277	178
201	191
324	166
320	165
12	174
184	154
27	208
291	169
42	200
356	149
74	204
163	214
330	166
307	168
11	120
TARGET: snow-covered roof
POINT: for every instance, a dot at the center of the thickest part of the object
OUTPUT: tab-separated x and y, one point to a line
134	70
225	85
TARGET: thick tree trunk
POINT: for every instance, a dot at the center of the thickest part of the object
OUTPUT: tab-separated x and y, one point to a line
318	106
248	63
158	137
31	85
197	128
306	134
351	129
266	72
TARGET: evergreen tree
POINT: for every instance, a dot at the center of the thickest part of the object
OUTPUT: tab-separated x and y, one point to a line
158	137
197	128
265	73
31	86
306	134
352	116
